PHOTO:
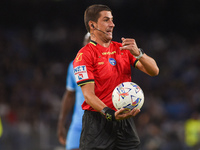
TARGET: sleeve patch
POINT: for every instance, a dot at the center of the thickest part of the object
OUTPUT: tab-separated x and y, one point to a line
80	73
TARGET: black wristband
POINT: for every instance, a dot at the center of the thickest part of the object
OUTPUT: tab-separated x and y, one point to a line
109	113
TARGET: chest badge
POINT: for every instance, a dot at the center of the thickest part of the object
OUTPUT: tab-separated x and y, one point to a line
112	61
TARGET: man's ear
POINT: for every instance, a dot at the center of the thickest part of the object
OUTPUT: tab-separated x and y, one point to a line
91	24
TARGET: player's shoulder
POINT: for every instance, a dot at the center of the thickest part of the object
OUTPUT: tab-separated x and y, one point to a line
86	49
85	53
71	63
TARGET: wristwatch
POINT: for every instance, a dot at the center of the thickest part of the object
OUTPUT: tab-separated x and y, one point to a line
141	53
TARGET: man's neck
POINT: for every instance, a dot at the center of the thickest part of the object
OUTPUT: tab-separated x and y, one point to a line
101	42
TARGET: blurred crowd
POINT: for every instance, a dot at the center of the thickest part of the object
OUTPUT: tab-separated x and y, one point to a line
33	69
170	118
32	81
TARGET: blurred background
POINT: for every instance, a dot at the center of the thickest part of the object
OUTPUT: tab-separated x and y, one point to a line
38	39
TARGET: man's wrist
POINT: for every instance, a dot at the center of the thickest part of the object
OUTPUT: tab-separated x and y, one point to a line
108	113
141	54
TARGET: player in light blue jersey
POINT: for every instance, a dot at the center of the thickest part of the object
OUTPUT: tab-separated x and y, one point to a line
72	97
74	132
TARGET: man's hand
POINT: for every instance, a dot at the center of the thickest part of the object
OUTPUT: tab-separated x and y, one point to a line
130	44
123	114
61	135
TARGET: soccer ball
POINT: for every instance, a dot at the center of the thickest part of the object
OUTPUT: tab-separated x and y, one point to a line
127	95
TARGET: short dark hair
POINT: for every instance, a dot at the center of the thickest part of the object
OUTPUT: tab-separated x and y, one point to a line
93	13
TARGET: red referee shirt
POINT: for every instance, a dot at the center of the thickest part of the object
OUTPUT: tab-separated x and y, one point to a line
106	67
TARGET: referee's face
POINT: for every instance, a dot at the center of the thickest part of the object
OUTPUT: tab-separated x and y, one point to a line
105	24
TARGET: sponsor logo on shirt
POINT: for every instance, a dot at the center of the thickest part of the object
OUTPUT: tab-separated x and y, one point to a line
80	73
108	53
112	61
100	63
79	57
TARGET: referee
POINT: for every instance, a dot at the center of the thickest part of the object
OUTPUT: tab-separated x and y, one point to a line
99	67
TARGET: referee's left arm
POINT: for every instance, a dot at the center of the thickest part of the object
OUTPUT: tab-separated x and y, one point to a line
90	97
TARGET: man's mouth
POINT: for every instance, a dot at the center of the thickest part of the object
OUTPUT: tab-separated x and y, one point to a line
109	32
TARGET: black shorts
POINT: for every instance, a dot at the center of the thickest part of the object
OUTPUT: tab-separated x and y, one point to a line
100	134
